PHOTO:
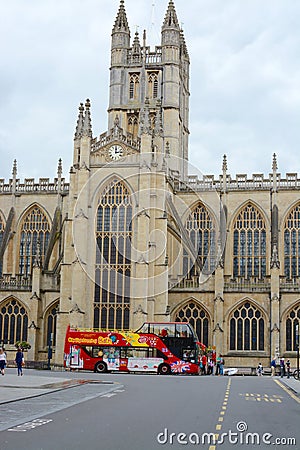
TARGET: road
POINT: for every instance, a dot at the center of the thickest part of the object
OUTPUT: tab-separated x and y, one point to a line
150	412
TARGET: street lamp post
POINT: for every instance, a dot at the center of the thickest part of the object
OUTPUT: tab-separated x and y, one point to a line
50	350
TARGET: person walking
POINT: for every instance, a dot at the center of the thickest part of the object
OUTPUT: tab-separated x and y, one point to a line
259	370
19	360
2	360
273	367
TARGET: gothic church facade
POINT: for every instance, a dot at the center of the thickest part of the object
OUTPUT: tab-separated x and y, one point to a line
132	236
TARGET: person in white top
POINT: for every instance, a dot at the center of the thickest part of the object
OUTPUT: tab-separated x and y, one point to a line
2	360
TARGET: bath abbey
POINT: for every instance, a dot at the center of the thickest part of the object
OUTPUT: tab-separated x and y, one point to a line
135	234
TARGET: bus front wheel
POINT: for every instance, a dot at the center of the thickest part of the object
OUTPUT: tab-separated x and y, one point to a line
101	367
164	369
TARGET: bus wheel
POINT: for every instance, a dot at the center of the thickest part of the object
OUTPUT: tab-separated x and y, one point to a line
164	369
101	367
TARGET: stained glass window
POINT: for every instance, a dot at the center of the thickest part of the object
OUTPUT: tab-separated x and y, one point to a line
292	244
249	243
197	317
201	231
35	232
247	328
13	322
113	258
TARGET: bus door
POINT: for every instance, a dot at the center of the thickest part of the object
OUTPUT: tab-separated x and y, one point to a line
75	360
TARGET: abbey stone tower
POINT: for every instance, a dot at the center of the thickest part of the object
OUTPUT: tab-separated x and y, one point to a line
133	236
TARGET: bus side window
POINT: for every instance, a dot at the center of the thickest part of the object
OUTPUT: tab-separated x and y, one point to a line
123	353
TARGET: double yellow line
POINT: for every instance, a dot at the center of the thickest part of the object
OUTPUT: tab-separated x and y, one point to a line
288	391
222	414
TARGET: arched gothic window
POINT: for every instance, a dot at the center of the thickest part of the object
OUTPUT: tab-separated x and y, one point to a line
113	258
134	81
50	323
293	319
133	124
249	243
13	322
153	85
247	328
197	317
2	225
292	244
202	233
35	232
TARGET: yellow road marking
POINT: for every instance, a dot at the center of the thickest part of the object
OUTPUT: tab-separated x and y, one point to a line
218	427
287	391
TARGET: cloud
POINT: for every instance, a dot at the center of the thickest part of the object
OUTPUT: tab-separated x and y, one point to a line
245	83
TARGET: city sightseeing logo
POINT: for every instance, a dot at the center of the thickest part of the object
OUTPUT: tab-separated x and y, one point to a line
238	437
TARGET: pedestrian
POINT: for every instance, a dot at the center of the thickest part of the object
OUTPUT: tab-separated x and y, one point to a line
210	367
288	368
2	360
19	360
260	370
282	367
204	363
222	365
273	367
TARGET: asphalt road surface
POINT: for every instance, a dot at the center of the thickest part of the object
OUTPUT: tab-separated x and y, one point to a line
150	412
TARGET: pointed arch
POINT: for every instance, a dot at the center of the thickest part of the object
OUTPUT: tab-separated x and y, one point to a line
50	323
197	315
2	228
13	321
249	242
134	82
34	231
202	230
247	326
291	318
113	256
291	242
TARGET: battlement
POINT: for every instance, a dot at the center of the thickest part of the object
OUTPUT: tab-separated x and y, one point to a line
151	58
44	185
258	182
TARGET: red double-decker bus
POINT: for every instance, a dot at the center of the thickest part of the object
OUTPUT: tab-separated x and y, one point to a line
164	348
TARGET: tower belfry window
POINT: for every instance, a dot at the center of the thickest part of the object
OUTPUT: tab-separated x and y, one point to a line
134	81
153	85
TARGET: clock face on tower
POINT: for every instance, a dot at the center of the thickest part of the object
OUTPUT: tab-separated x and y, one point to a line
115	152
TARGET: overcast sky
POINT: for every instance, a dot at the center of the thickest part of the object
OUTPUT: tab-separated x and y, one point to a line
245	79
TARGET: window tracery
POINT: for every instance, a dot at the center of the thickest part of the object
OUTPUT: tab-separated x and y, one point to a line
113	254
249	243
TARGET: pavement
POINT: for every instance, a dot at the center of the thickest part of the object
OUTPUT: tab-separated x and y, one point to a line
290	383
14	387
